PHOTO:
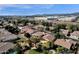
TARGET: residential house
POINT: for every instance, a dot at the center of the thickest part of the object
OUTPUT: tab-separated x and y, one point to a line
74	46
1	26
27	29
29	24
51	28
24	43
72	41
39	27
20	26
75	35
5	23
40	18
53	19
39	34
30	31
49	37
7	36
67	18
65	32
45	43
66	43
4	47
23	29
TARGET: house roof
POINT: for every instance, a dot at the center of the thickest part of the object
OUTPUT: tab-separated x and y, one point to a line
9	37
38	27
48	37
39	34
30	31
72	41
27	29
4	47
75	33
65	32
5	35
29	24
63	43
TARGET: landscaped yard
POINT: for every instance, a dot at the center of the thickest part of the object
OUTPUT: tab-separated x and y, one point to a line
32	52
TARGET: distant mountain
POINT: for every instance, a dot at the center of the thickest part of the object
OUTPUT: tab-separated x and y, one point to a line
68	14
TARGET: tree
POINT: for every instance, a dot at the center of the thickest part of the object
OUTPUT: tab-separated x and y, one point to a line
9	21
35	39
46	45
1	23
45	51
27	35
15	23
77	27
25	22
47	28
58	27
72	27
59	35
59	49
39	47
46	24
51	44
12	29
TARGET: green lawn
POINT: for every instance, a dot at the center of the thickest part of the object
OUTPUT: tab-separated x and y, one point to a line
32	51
36	52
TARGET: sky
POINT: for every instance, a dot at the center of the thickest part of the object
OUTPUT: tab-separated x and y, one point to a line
33	9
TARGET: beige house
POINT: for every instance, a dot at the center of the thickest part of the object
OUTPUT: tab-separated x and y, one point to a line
75	35
4	47
66	43
7	36
65	32
39	27
27	29
63	43
39	34
40	18
49	37
72	18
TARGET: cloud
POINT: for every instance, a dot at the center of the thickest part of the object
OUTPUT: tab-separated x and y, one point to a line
18	6
18	9
26	6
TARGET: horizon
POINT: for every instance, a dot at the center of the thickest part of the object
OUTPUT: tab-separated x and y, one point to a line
37	9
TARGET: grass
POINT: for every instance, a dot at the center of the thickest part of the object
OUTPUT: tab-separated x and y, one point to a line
32	52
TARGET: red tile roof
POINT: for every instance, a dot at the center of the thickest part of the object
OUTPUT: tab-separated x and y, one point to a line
39	34
65	32
71	41
27	29
4	47
63	43
75	33
48	37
